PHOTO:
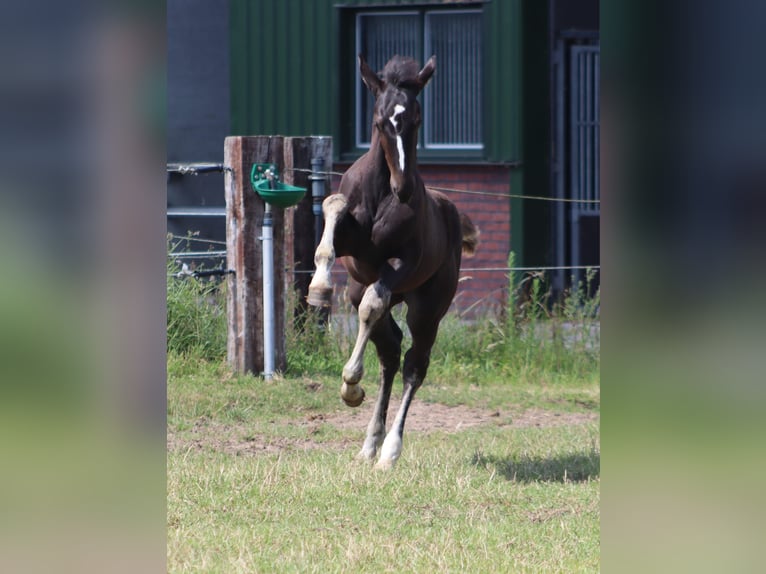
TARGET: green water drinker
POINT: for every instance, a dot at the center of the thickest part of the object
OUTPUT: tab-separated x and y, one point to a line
265	181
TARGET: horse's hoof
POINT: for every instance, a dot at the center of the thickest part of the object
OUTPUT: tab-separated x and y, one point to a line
352	395
320	297
366	456
385	464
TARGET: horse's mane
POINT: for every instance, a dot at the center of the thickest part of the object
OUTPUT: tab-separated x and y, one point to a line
401	72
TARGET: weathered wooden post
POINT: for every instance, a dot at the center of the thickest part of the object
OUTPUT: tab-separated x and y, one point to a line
300	220
293	231
244	217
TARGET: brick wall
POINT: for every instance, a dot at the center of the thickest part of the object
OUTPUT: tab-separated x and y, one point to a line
478	290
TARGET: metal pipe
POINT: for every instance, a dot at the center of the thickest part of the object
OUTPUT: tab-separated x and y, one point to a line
268	294
560	163
574	159
194	168
317	178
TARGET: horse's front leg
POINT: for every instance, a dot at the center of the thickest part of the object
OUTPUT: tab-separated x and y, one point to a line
373	306
334	208
387	337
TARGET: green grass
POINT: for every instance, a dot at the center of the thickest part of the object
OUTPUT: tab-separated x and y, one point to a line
196	316
492	498
261	480
535	339
445	508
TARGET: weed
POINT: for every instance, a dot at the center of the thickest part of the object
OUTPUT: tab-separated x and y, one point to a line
196	316
532	338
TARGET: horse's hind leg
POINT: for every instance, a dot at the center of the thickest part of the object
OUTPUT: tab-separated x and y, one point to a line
387	337
424	312
320	290
416	362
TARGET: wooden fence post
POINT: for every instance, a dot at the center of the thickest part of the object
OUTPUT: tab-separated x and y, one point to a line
293	241
299	220
244	218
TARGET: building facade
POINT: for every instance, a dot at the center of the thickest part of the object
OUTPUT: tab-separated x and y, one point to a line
499	119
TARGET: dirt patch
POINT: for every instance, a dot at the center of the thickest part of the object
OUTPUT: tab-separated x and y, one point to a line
427	417
543	418
241	439
422	417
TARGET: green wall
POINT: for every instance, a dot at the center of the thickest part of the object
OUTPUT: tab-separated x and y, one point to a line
290	58
286	57
503	81
283	73
532	219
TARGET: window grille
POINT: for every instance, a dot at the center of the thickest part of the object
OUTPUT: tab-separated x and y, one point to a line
451	102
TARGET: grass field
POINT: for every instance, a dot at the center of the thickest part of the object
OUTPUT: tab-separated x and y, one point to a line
500	470
260	479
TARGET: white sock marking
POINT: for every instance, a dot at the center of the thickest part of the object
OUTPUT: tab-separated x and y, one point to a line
398	109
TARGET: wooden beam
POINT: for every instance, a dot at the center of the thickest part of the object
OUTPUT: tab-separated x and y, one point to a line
244	217
299	220
293	241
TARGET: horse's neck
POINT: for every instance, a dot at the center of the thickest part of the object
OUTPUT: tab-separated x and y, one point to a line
378	161
412	151
377	155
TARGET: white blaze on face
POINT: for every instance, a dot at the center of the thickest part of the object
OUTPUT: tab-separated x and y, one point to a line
398	109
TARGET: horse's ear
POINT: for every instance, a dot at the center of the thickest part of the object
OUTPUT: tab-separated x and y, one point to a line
428	70
370	78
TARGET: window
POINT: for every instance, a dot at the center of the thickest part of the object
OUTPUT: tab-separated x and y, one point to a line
451	102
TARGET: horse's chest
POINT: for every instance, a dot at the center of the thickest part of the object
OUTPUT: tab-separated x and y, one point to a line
393	225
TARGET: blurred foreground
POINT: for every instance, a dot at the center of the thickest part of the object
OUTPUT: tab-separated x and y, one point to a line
82	347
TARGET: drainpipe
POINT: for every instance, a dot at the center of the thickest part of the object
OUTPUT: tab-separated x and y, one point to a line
318	178
317	194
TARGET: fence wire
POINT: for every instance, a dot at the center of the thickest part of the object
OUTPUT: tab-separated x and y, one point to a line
466	191
200	254
477	269
198	239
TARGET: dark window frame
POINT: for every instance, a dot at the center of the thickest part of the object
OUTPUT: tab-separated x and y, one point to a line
352	88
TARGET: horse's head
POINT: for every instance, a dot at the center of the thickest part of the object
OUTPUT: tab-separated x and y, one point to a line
396	116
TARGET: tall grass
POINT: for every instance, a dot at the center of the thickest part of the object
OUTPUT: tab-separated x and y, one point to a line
534	337
196	316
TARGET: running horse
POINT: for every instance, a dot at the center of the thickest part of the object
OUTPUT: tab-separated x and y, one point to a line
400	242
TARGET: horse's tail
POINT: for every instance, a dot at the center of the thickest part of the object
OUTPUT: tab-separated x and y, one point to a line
470	235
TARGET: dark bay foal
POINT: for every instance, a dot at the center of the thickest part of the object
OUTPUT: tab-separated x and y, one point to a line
400	243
